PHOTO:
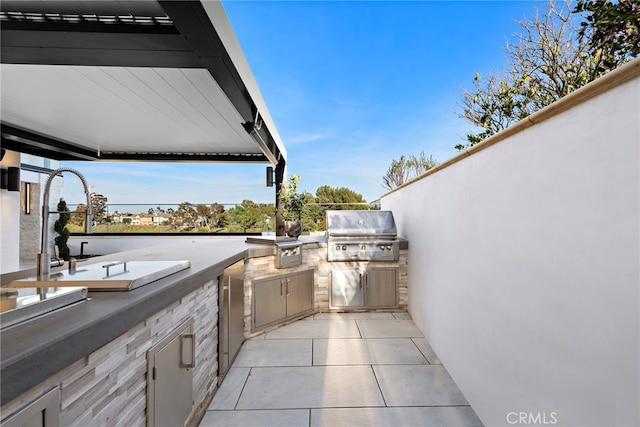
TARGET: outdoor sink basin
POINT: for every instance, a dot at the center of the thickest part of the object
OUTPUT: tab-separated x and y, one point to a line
106	276
30	303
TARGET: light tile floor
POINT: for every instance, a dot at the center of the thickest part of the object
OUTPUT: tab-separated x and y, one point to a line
340	369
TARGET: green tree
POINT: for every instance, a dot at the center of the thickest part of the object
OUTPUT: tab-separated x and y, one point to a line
203	216
217	215
397	173
327	197
98	207
111	217
340	198
611	30
313	214
79	215
291	201
421	164
405	169
209	216
185	216
98	210
547	62
60	227
250	217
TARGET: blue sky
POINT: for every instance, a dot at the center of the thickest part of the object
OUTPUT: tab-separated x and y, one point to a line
351	85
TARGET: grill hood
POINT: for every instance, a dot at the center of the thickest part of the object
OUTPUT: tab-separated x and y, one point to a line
366	224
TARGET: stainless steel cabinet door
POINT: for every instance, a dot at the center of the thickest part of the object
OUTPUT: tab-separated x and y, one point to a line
236	316
347	288
43	412
170	366
299	293
381	287
269	302
230	316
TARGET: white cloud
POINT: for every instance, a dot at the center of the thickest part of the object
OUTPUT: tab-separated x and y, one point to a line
306	138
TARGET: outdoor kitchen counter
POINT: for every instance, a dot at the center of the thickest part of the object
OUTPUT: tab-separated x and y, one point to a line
34	350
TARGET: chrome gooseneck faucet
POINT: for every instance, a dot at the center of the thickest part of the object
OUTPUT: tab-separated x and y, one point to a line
44	257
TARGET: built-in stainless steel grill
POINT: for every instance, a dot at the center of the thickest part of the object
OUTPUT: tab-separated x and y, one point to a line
362	236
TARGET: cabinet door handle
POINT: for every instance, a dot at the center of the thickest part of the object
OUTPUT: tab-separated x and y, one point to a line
188	352
360	281
366	280
288	282
281	288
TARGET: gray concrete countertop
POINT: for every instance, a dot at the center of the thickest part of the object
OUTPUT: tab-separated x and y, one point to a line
32	351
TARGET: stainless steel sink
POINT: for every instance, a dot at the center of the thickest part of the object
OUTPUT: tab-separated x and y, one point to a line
33	302
106	276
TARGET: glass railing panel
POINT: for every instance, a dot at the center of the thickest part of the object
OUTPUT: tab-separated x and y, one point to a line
214	218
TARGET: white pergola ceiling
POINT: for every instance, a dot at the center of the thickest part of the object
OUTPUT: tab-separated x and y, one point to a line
93	80
118	109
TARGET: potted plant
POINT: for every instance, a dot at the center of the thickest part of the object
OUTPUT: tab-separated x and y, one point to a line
291	204
60	227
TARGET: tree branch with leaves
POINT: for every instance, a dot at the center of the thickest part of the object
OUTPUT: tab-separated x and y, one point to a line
611	30
547	62
405	169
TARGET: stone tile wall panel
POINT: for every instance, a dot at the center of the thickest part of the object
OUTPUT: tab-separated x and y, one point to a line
314	256
108	387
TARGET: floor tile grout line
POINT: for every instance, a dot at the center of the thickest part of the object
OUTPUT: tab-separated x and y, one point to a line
339	407
423	355
358	326
340	365
379	387
244	384
310	410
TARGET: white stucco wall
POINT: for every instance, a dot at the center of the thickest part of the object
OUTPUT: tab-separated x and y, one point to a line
10	225
524	266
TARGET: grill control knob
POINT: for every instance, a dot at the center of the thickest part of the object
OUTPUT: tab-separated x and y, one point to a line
337	247
344	247
388	247
363	247
382	248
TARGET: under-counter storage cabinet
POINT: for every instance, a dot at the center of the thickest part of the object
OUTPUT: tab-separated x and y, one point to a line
282	297
381	287
43	412
230	316
373	287
299	289
170	366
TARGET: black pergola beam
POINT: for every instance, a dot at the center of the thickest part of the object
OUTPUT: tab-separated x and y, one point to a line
25	141
186	157
186	40
193	23
49	47
279	179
